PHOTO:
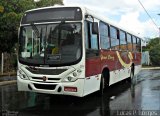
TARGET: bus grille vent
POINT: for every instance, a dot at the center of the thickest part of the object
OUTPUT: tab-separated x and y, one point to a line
44	86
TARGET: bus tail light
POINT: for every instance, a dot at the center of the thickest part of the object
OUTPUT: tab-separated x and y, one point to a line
70	89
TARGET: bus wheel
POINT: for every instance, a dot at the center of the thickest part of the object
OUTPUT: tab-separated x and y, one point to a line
104	84
101	90
132	74
106	79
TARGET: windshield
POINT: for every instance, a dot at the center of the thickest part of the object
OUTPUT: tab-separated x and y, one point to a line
51	44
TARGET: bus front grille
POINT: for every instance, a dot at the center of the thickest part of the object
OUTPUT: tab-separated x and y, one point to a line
49	79
46	71
45	86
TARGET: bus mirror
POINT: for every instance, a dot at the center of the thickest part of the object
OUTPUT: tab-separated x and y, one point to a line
94	28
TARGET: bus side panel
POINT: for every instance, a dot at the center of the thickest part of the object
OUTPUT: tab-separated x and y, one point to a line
137	58
93	74
120	70
93	66
109	59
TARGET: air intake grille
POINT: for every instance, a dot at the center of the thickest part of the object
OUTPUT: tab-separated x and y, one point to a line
46	71
45	86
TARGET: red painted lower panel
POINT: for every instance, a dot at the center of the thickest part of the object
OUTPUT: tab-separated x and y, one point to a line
110	59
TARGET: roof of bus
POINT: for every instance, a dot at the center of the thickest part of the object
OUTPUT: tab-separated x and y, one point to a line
90	12
56	6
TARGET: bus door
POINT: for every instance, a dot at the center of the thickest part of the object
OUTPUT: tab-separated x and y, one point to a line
92	57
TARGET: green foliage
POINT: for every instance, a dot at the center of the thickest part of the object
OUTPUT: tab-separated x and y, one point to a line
152	43
10	18
154	50
155	55
43	3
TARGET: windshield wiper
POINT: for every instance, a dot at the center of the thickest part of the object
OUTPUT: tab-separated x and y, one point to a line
34	27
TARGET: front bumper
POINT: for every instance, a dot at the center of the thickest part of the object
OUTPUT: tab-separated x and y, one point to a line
51	88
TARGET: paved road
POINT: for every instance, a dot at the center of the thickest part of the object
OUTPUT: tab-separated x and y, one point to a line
122	99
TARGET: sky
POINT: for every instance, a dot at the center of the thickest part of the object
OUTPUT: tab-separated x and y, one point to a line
129	14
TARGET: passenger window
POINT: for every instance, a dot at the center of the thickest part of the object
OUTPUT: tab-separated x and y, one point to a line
138	47
114	38
129	41
134	42
90	38
104	39
94	39
123	42
94	42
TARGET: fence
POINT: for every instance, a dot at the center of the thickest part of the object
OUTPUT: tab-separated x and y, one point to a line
8	62
145	58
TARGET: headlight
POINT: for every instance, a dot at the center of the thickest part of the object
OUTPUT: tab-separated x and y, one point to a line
74	74
22	75
72	77
69	79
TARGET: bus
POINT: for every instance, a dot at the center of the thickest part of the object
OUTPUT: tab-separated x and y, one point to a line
73	51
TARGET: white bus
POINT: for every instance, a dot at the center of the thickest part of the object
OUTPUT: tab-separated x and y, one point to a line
73	51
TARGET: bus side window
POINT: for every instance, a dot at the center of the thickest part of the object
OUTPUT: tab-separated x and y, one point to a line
91	39
129	41
134	39
114	38
138	47
104	39
123	42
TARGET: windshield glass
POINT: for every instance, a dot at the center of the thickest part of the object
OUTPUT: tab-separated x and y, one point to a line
51	44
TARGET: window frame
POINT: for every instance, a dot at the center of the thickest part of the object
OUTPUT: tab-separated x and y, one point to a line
125	39
89	34
90	53
106	37
140	46
116	38
90	37
131	42
134	42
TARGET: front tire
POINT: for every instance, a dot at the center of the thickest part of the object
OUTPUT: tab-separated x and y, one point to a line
101	91
132	74
104	84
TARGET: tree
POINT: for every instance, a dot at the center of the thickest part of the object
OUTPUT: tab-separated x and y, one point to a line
154	50
152	43
11	12
155	55
43	3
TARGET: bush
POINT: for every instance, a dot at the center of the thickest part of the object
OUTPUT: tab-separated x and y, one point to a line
155	55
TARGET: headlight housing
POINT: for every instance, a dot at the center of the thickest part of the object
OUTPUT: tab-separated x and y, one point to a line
22	75
69	79
72	77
